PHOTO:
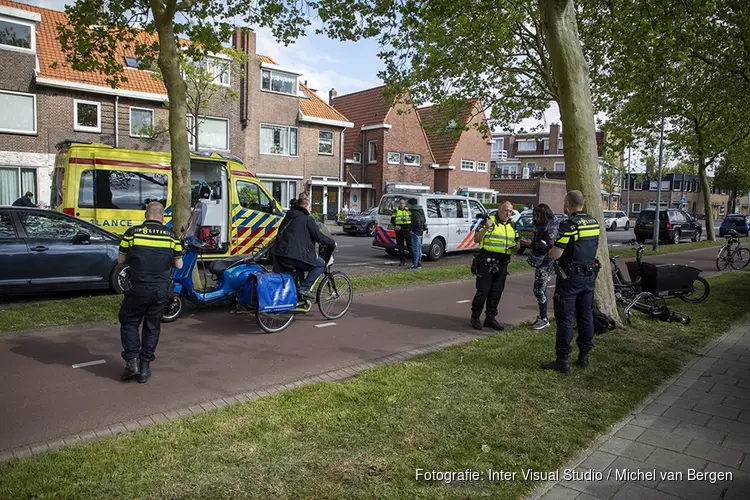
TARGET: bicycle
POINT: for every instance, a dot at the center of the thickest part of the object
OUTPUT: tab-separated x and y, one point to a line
732	254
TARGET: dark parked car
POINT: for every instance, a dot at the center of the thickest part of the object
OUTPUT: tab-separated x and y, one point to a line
740	223
362	223
45	251
674	225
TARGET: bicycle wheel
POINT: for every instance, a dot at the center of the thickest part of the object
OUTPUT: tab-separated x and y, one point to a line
721	260
740	258
335	295
700	291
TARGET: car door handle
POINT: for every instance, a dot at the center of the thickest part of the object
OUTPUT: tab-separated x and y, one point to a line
39	248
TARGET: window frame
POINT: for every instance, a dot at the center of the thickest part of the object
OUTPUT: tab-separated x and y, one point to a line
261	192
95	172
372	152
130	118
555	164
640	207
357	156
191	137
220	60
36	117
333	135
677	185
84	128
289	146
396	158
526	141
467	169
32	28
560	143
483	165
295	85
418	163
545	144
637	185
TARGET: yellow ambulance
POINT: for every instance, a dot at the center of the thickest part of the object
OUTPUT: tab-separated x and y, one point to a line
110	187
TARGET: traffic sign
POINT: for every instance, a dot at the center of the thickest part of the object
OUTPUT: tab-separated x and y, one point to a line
682	200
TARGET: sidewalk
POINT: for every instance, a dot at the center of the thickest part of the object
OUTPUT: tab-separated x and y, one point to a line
699	421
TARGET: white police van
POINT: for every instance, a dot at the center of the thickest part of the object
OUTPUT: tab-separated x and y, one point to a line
451	222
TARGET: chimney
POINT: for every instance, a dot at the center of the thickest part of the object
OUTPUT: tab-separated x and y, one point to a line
554	136
244	39
331	96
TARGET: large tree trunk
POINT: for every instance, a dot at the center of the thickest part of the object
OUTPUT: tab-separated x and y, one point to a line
705	188
169	63
579	131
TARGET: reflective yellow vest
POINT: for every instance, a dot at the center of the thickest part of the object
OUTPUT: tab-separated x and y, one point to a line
501	239
402	217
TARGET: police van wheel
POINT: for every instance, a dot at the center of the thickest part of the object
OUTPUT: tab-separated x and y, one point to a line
437	249
119	280
173	310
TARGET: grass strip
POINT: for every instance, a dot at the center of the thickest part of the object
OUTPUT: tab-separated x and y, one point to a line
104	308
482	405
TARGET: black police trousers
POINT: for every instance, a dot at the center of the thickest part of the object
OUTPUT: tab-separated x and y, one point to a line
142	303
574	296
490	286
403	240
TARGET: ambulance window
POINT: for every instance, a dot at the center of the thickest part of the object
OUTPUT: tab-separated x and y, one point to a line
121	190
251	197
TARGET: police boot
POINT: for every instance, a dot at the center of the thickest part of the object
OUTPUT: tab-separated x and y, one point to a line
145	373
492	323
561	364
583	360
475	322
131	369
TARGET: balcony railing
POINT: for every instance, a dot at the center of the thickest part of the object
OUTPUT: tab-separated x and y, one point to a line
500	176
499	155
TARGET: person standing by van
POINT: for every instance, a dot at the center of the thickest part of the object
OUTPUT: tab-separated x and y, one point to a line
401	221
497	239
418	227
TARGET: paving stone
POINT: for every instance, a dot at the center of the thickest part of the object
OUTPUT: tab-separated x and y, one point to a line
118	429
719	379
655	409
560	493
674	461
22	452
685	403
702	395
630	432
687	416
733	426
737	371
599	460
698	432
739	478
56	443
670	441
632	491
87	436
657	423
692	490
219	402
627	448
737	442
70	440
131	425
718	410
104	432
702	384
586	496
6	455
39	448
738	403
158	418
171	414
622	464
604	489
744	417
745	466
184	412
744	383
703	364
714	453
670	395
728	390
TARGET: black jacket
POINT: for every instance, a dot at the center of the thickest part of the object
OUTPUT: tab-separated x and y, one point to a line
298	234
23	202
418	221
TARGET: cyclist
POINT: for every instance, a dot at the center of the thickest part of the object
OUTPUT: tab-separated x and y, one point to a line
295	245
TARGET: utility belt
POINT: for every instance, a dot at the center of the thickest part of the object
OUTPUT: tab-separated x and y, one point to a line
492	261
566	270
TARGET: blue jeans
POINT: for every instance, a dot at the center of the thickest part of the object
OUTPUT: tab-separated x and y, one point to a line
316	271
416	249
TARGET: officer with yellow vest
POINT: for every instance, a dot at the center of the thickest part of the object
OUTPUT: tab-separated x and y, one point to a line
575	253
401	221
497	239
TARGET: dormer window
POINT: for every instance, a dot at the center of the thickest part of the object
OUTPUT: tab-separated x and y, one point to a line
135	63
276	81
18	33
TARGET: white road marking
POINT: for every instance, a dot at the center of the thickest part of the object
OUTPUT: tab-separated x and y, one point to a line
462	301
692	262
89	363
323	325
344	246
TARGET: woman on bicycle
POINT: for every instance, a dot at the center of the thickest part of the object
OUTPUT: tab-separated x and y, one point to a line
545	233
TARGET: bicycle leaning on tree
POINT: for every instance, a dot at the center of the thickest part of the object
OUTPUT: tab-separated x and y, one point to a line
733	254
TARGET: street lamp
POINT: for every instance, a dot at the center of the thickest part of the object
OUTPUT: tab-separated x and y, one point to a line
661	158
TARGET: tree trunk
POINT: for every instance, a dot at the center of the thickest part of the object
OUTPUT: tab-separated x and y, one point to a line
710	235
169	63
579	130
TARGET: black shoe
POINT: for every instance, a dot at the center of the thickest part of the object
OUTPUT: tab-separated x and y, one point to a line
583	360
145	373
560	364
492	323
475	323
401	264
131	369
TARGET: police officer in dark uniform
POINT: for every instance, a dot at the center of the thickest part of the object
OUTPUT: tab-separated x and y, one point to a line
151	250
575	253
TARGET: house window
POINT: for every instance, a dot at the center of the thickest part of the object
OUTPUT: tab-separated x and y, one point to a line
510	171
637	185
219	69
15	182
529	145
678	185
19	112
120	189
560	143
636	208
17	35
135	63
278	140
276	81
325	142
545	144
213	133
394	158
481	166
357	157
372	152
467	164
412	159
87	116
498	145
141	122
559	166
653	185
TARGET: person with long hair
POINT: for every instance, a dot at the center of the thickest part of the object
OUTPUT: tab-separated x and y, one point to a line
545	232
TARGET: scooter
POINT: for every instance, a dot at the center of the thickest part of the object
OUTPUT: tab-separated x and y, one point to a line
231	275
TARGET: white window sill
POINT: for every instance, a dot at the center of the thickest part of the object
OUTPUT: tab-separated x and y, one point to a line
413	164
91	130
17	132
325	154
279	154
13	48
140	136
278	93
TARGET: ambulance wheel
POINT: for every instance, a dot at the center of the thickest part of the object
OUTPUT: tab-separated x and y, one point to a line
436	250
119	280
173	310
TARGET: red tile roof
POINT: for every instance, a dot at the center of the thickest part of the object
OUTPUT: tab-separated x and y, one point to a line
442	146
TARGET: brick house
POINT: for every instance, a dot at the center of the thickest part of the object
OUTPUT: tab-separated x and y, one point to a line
50	104
387	151
462	162
677	191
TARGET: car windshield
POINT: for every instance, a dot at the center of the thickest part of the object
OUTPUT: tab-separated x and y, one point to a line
609	215
736	220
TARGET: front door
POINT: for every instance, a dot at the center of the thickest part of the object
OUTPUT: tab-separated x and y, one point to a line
317	199
332	203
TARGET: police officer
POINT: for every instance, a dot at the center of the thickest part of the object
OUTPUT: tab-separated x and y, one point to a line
497	238
401	221
151	250
575	252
